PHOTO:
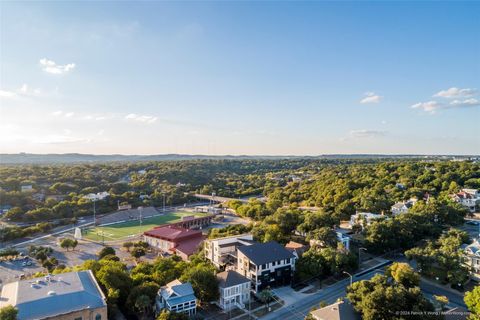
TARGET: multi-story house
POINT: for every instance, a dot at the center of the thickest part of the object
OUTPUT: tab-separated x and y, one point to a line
403	206
72	295
223	251
176	297
364	218
469	198
472	259
265	265
234	290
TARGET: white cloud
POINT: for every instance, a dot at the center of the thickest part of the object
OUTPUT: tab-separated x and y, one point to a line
364	133
429	106
371	97
141	118
433	106
57	113
54	68
7	94
472	102
69	114
456	93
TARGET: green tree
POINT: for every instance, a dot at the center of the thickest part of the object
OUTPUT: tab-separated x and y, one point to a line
105	251
127	245
167	315
137	252
472	300
266	296
203	281
8	313
382	297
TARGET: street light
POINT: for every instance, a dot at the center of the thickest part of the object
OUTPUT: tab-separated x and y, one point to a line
359	255
351	277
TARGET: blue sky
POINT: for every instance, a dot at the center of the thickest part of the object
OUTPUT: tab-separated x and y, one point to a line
240	77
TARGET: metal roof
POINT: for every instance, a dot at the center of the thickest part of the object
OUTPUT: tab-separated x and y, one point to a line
62	294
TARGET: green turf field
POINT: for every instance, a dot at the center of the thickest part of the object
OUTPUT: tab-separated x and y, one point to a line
129	229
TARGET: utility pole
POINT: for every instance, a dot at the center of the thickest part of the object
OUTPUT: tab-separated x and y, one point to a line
351	277
140	209
359	256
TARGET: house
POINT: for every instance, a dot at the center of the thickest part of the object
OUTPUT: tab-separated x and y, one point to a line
265	265
176	297
39	196
96	196
364	217
343	238
72	295
26	188
174	240
234	290
296	248
223	251
403	206
472	258
341	310
469	198
5	208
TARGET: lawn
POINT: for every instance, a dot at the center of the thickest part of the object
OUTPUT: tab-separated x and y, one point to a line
132	228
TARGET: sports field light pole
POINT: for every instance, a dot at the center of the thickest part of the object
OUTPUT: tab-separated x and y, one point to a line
140	209
94	213
163	193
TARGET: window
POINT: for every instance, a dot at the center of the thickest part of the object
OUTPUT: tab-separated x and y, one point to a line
79	318
98	317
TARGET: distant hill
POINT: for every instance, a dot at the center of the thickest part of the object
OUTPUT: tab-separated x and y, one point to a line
30	158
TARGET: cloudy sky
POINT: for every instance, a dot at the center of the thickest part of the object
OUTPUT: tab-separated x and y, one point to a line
240	77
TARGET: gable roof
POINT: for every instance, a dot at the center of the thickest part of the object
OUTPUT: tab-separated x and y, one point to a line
64	293
261	253
341	310
230	278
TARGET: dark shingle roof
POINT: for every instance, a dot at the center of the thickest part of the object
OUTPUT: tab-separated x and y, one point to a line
230	278
262	253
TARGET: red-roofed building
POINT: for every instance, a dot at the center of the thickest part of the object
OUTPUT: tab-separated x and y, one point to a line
174	240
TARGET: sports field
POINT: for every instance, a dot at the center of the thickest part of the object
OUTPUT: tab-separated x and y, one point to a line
132	228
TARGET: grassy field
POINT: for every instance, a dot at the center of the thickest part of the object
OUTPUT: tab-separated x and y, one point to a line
130	229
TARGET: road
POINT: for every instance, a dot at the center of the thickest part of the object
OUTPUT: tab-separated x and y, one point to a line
300	309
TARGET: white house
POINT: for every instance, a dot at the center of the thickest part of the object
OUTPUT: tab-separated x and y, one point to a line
176	297
234	290
266	265
344	240
403	206
469	198
96	196
223	251
362	217
26	188
472	259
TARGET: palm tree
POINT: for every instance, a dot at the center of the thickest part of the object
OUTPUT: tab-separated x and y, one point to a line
266	295
143	304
